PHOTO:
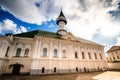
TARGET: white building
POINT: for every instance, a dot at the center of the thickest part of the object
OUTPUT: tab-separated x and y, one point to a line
113	57
43	52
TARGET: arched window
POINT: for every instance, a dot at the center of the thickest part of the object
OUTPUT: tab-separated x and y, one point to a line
54	69
83	55
7	51
44	51
76	55
113	58
26	52
64	53
117	57
100	56
89	55
55	52
95	55
43	70
108	60
77	69
85	69
18	52
1	44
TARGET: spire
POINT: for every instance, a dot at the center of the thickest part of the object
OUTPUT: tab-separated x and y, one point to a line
61	13
61	22
61	18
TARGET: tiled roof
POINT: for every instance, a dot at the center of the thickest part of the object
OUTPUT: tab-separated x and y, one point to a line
42	33
113	48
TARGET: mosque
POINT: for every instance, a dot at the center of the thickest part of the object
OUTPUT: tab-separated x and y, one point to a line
42	52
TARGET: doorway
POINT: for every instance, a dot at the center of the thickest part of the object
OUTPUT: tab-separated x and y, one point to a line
16	69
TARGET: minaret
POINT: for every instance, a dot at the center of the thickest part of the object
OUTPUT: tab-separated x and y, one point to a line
61	22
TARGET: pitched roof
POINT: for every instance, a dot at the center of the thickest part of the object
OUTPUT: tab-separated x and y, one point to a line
113	48
88	41
42	33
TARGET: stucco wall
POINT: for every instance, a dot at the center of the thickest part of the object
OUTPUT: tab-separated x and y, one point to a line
114	66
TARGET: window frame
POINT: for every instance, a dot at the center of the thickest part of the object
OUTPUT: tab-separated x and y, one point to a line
89	55
64	53
83	55
95	56
8	48
44	52
76	54
26	52
55	52
18	52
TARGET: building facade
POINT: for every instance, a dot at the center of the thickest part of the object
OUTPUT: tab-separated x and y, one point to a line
43	52
113	57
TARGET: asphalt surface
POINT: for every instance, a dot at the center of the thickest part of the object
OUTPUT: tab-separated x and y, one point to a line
75	76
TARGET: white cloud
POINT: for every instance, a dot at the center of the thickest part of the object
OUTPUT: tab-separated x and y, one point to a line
118	41
28	12
23	29
9	25
86	18
86	22
51	26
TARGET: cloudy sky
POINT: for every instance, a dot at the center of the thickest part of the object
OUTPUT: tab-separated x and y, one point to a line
95	20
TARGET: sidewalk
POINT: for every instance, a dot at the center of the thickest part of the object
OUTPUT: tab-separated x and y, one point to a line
109	75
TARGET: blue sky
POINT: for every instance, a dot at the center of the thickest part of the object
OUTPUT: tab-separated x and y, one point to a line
95	20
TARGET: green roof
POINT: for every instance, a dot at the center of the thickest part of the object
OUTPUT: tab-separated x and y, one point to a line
42	33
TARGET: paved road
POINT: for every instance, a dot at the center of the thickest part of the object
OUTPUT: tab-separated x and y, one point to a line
78	76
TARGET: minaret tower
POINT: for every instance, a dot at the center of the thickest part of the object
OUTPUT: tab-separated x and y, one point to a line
61	22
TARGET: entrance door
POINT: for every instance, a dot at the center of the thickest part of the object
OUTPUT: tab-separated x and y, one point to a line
16	69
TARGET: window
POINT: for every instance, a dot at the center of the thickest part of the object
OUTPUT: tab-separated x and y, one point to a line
117	57
83	55
107	59
55	52
1	44
113	58
89	55
110	59
43	70
18	52
54	69
64	53
85	69
77	69
100	56
95	55
7	51
26	52
76	55
98	68
44	51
